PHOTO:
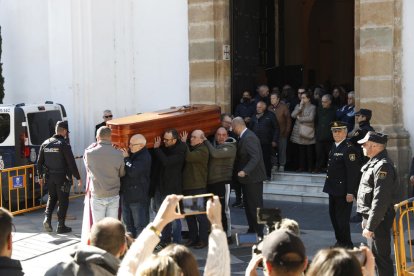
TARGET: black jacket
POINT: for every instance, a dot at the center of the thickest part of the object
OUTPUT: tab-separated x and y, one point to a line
265	127
136	182
249	159
378	190
10	267
56	157
245	109
360	133
342	176
167	172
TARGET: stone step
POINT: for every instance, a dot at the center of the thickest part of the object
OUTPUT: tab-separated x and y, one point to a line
299	177
293	186
295	196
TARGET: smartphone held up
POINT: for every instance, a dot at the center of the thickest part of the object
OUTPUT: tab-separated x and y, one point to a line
194	205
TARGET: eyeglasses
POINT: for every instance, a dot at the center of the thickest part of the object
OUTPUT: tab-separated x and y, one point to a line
135	144
165	139
108	116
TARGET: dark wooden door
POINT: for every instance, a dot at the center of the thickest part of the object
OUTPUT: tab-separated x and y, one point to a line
253	44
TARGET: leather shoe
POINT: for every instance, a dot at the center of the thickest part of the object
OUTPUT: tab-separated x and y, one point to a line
47	225
200	245
63	229
190	243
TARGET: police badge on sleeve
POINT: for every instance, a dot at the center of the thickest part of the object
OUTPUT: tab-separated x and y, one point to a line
382	175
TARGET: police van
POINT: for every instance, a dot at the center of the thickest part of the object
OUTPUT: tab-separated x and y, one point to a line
23	128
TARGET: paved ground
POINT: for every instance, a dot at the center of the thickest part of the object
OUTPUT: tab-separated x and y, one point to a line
38	251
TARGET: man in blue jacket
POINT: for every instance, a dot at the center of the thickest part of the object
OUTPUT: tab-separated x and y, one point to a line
135	185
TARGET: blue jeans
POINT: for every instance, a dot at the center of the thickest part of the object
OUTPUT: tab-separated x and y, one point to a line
104	207
174	226
135	216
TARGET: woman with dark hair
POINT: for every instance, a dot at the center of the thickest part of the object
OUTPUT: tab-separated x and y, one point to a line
341	262
303	132
339	96
183	257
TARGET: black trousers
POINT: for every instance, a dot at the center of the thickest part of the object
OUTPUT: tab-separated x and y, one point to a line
306	157
57	192
381	245
253	199
220	191
198	225
237	187
322	152
340	213
267	158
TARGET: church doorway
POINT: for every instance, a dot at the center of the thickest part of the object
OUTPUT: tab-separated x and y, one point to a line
297	42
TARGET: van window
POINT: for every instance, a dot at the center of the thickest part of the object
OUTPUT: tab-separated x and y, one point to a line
4	126
42	125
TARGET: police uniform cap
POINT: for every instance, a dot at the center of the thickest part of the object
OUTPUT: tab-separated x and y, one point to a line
63	124
364	112
280	242
375	137
338	125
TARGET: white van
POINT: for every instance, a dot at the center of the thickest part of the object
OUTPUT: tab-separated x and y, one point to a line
23	128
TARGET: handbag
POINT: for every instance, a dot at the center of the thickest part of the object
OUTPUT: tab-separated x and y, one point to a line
306	132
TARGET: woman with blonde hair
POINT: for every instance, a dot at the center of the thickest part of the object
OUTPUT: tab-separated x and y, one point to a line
158	265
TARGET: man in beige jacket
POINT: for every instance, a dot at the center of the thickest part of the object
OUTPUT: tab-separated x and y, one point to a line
105	166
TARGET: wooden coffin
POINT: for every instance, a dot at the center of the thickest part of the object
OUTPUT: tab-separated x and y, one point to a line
153	124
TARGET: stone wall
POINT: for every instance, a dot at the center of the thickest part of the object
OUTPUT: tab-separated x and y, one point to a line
378	65
209	30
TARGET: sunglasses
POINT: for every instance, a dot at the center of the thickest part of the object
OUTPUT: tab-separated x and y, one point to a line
108	116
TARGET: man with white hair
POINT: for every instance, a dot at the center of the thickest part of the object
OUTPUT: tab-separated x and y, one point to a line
105	166
107	115
135	185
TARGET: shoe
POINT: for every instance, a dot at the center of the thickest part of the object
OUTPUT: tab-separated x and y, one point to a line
236	204
47	225
229	240
355	219
410	242
63	229
190	243
281	168
200	245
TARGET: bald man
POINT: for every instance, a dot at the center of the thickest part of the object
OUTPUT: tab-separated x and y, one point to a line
105	166
135	185
195	183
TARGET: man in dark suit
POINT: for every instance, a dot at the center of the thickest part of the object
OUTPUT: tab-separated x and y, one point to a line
341	183
250	172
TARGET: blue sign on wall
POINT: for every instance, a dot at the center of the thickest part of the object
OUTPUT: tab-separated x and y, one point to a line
18	182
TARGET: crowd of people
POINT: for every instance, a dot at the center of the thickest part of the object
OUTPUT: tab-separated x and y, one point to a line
278	131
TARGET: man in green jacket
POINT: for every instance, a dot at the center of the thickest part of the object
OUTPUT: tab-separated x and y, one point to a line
195	183
220	171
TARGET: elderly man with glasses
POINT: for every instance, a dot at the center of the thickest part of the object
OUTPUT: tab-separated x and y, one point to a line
342	183
107	115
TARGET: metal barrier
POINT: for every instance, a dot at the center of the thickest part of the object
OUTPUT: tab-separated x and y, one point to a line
18	190
19	193
404	259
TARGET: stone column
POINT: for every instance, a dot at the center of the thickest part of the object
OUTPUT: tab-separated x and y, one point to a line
209	25
378	67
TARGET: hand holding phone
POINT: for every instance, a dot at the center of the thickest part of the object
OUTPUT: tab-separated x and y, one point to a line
167	212
194	205
214	211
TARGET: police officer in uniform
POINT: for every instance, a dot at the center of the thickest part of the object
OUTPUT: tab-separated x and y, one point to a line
378	191
341	183
54	165
363	117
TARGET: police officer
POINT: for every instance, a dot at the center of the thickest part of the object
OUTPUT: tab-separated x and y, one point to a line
363	117
341	183
54	165
378	191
